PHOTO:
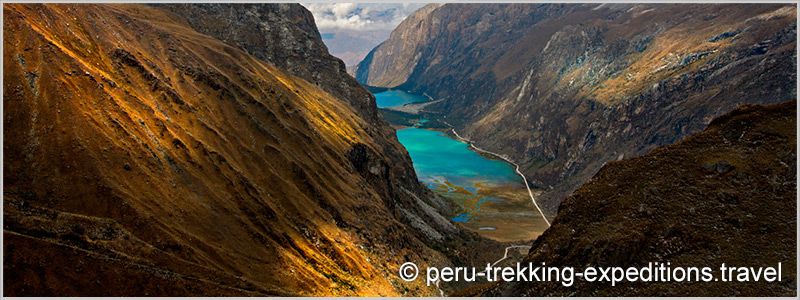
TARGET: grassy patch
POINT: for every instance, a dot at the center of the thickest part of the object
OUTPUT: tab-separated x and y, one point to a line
399	118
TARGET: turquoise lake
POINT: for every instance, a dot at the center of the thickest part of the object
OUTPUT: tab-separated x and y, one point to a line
397	98
437	158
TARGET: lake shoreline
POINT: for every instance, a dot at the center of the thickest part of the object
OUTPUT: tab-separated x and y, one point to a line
485	189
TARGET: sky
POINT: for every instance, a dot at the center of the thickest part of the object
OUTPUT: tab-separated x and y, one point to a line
351	30
360	16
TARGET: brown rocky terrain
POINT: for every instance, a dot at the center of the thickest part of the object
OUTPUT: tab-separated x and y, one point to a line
145	154
286	37
725	195
562	89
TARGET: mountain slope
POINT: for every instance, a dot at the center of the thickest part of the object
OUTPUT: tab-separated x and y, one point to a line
137	148
725	195
562	89
283	35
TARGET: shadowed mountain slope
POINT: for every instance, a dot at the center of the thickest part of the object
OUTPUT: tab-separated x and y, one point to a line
726	195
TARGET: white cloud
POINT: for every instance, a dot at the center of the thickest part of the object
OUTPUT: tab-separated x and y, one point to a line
360	16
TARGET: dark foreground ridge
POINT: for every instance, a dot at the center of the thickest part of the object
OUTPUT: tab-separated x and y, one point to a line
724	195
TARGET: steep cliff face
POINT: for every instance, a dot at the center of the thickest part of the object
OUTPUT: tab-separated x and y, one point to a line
725	195
563	89
142	157
398	55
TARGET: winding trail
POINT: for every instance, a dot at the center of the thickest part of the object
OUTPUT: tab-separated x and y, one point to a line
505	158
506	253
